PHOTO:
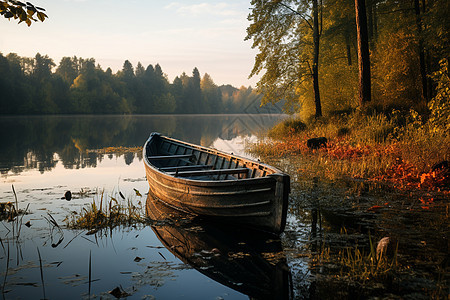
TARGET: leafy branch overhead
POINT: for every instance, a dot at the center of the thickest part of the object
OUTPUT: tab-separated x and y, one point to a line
24	12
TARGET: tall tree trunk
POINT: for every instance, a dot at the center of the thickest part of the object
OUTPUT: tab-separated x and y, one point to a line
349	49
315	67
423	71
363	52
375	22
369	20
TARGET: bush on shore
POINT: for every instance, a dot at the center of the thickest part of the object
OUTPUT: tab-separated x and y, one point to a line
399	146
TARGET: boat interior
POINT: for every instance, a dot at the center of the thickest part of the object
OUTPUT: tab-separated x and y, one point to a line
195	162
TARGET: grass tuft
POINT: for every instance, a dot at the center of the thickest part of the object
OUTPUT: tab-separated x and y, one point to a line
358	264
108	213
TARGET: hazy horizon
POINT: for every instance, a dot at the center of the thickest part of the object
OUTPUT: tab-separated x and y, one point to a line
178	36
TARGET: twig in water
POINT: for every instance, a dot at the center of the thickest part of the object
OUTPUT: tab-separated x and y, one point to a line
42	273
90	273
6	228
15	196
88	240
3	246
52	220
6	274
21	220
73	239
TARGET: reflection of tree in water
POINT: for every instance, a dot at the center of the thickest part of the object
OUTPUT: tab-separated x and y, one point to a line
32	142
129	157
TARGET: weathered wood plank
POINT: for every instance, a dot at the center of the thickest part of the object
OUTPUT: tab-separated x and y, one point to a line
211	172
159	157
189	167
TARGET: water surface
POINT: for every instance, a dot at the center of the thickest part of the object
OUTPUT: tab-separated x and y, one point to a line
43	157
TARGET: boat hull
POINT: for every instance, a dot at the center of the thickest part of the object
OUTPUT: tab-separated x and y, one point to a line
259	202
251	262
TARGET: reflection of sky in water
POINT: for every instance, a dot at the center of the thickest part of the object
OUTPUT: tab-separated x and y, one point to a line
65	270
159	274
235	145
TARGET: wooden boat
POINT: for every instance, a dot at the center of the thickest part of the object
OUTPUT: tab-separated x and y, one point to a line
251	262
212	183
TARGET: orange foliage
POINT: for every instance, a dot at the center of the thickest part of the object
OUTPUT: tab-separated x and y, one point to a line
342	149
426	202
435	179
402	174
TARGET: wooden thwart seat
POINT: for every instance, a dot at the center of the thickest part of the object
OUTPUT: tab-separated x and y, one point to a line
159	157
185	168
210	172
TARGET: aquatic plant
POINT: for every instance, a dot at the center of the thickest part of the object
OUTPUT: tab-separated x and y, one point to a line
105	213
117	150
358	264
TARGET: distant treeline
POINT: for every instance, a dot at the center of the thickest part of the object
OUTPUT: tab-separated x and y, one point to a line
79	86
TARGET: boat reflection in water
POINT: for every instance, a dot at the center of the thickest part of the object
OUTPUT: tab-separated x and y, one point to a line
250	262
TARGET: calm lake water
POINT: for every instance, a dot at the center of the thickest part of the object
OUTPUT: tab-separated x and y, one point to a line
43	157
329	222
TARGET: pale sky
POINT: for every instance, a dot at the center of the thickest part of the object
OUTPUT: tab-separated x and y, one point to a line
179	35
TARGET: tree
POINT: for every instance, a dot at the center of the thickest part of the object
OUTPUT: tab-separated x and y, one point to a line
24	12
68	69
282	31
315	67
140	70
192	93
212	97
363	52
127	71
42	67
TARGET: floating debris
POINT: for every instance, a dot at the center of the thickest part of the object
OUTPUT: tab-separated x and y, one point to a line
118	292
67	196
137	193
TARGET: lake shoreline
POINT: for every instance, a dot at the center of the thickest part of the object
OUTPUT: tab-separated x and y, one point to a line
346	217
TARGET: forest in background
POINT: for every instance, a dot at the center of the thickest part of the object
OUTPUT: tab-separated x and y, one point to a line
308	53
79	86
310	57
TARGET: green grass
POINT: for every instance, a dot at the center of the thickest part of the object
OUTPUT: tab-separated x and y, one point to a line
108	212
357	264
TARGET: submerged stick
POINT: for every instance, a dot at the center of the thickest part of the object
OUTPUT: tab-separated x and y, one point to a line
15	196
90	273
21	220
6	274
3	246
42	272
52	221
73	239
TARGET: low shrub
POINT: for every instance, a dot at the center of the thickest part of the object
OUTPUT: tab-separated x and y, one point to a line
286	128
